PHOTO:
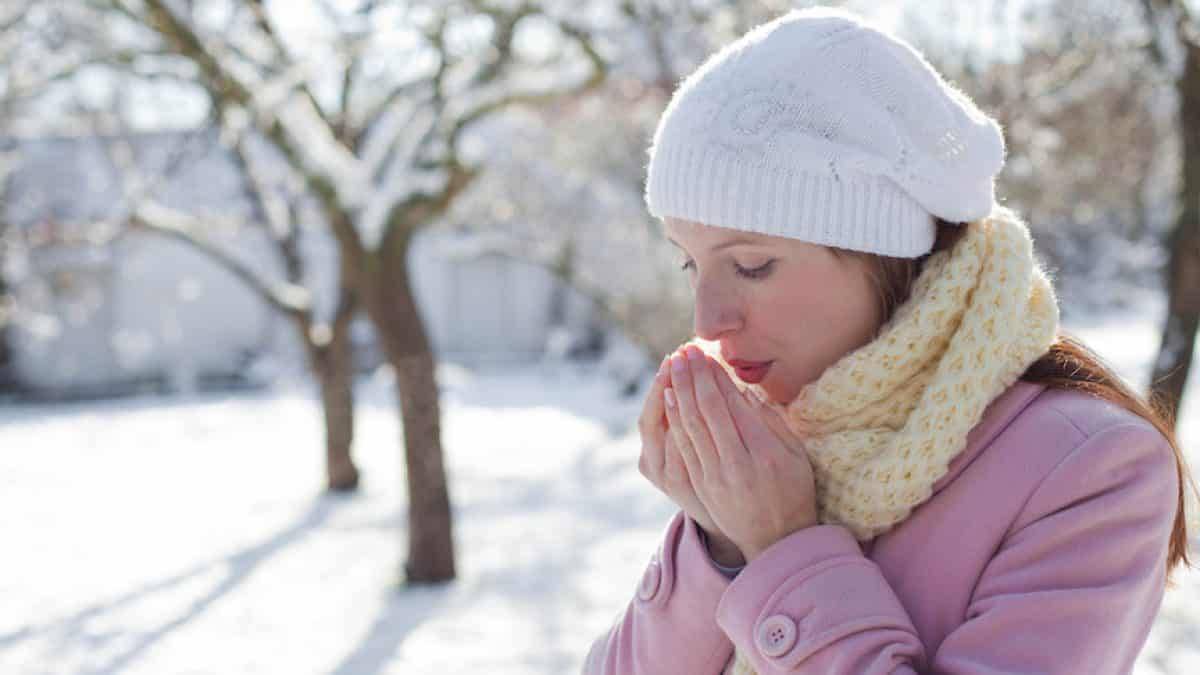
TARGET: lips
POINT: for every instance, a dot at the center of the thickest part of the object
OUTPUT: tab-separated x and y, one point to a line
750	372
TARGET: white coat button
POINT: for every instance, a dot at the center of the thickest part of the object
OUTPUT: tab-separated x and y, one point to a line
650	581
776	634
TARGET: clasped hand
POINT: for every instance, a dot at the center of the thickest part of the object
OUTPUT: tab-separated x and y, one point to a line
729	460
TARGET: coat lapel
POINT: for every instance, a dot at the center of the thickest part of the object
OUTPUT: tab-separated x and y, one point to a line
1002	410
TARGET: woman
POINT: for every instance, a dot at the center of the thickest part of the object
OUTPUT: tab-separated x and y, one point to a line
888	457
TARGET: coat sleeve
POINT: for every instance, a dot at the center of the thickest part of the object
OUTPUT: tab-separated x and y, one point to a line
669	627
1073	587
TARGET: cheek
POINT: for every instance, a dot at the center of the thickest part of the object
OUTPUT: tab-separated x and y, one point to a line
849	299
801	299
790	317
821	319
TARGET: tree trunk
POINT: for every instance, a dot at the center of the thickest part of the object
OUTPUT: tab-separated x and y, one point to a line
1183	271
331	359
335	375
8	380
392	307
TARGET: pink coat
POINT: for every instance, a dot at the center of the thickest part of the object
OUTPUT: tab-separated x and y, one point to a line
1042	550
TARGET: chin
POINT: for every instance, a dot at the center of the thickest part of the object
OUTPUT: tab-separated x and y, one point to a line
773	394
777	391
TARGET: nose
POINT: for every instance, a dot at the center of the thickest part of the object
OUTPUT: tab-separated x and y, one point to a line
717	311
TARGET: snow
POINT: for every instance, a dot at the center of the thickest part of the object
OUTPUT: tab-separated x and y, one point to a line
188	534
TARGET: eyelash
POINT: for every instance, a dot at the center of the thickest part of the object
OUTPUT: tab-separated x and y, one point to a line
757	273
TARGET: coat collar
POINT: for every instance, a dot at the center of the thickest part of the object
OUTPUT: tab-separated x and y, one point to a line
996	416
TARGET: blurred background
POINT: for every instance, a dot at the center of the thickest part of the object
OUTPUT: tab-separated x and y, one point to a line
325	324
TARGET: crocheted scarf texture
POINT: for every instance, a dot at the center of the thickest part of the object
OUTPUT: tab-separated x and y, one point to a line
882	423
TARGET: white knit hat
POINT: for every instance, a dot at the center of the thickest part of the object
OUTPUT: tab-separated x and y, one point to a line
821	127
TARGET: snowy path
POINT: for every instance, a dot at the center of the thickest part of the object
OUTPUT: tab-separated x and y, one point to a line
185	536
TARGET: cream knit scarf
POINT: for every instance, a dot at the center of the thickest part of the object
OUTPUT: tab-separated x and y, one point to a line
882	424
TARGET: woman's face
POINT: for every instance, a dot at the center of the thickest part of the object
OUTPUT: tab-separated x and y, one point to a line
791	304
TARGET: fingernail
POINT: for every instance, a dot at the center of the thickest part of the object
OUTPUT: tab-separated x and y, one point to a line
678	364
669	397
694	354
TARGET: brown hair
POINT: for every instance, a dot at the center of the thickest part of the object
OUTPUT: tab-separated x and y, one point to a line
1068	364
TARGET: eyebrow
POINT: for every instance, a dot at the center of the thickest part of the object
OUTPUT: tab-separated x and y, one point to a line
726	244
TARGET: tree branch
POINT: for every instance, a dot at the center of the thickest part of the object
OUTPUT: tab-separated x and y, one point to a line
19	89
263	21
223	86
1150	9
421	207
288	298
506	23
598	74
9	21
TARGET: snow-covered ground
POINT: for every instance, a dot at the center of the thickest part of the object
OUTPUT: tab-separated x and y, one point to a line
188	535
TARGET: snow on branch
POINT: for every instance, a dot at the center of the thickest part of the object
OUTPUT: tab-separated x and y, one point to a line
435	150
289	298
294	126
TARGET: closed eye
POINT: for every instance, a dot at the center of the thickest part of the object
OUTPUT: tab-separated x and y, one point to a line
760	272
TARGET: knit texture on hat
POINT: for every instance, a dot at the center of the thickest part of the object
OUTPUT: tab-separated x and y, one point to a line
821	127
882	424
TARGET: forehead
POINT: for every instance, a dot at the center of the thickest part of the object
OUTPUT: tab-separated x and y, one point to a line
697	238
684	231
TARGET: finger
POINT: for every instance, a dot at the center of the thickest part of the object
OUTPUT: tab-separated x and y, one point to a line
741	406
780	428
716	395
653	414
653	428
772	424
751	420
675	467
780	422
764	418
652	420
679	437
689	412
714	406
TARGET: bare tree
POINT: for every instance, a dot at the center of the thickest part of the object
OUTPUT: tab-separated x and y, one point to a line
1175	29
32	36
8	380
371	124
326	341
